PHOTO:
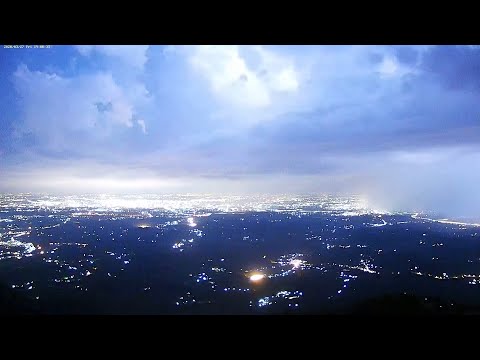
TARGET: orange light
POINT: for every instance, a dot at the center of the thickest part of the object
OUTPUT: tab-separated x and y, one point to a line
256	277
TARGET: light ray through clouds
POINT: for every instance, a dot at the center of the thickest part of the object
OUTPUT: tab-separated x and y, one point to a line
399	124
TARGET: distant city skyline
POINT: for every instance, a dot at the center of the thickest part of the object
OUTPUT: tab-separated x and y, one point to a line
398	124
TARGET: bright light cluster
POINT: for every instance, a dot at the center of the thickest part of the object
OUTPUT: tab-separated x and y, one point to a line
296	263
256	277
283	295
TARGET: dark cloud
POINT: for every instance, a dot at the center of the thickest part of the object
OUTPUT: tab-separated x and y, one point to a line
104	107
456	67
375	57
407	54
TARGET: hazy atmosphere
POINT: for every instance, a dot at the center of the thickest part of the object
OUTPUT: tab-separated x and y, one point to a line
396	124
247	180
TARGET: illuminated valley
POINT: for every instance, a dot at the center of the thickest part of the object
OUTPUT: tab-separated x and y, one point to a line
208	254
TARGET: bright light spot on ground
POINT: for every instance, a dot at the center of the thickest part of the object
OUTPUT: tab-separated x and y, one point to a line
296	263
144	226
256	277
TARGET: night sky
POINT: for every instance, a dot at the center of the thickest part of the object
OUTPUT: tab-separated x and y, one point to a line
398	124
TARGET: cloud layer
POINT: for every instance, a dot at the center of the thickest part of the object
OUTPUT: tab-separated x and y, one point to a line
298	118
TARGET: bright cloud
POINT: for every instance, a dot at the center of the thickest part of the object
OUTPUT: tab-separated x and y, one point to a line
141	123
54	107
233	80
388	66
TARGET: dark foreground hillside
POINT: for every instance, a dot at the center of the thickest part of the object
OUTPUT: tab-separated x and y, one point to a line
410	305
15	303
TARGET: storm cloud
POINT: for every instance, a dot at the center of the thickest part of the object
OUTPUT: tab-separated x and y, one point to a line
397	123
